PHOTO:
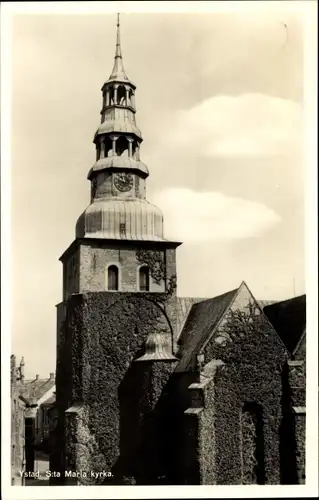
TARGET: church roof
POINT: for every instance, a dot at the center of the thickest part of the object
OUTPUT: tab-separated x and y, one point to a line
202	319
183	306
288	317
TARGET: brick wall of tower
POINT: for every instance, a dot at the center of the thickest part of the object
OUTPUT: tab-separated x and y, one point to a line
95	258
71	274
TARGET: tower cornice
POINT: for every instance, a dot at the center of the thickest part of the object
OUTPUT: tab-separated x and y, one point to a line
118	244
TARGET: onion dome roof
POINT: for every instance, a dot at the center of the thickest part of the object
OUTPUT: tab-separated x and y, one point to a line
121	219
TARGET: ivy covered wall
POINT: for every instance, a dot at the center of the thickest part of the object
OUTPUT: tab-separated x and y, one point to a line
103	334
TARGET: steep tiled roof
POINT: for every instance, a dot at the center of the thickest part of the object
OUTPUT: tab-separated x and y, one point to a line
50	400
202	319
289	320
183	306
36	388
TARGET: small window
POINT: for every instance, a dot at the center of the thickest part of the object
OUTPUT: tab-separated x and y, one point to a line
144	279
113	278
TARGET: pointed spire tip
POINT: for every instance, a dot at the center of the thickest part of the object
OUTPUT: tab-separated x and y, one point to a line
118	71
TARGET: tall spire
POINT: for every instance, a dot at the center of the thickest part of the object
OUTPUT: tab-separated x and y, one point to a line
118	72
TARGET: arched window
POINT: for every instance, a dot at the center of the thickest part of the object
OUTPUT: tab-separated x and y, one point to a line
144	279
122	147
113	278
108	147
111	96
121	95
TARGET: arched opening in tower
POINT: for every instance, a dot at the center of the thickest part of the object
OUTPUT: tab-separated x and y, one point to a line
122	147
121	95
108	151
131	98
111	96
135	149
98	152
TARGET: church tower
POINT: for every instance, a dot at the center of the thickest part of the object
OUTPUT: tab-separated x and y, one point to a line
115	230
116	324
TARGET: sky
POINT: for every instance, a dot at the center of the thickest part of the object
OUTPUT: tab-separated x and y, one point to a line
220	104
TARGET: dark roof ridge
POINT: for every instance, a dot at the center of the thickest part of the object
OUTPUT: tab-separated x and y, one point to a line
287	300
289	319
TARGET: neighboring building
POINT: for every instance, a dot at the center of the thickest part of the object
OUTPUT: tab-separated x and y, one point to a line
31	400
151	387
41	391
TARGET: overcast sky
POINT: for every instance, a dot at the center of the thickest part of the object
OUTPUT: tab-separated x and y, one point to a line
219	102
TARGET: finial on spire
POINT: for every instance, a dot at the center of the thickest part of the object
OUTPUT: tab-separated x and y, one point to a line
118	40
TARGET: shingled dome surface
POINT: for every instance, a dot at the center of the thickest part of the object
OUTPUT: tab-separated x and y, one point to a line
113	218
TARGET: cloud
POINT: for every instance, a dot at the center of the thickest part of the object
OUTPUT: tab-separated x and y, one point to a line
249	125
197	217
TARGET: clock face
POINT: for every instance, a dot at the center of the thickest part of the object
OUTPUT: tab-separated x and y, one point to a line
123	182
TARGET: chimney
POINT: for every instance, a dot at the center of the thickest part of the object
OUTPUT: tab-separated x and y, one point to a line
37	376
22	369
52	376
